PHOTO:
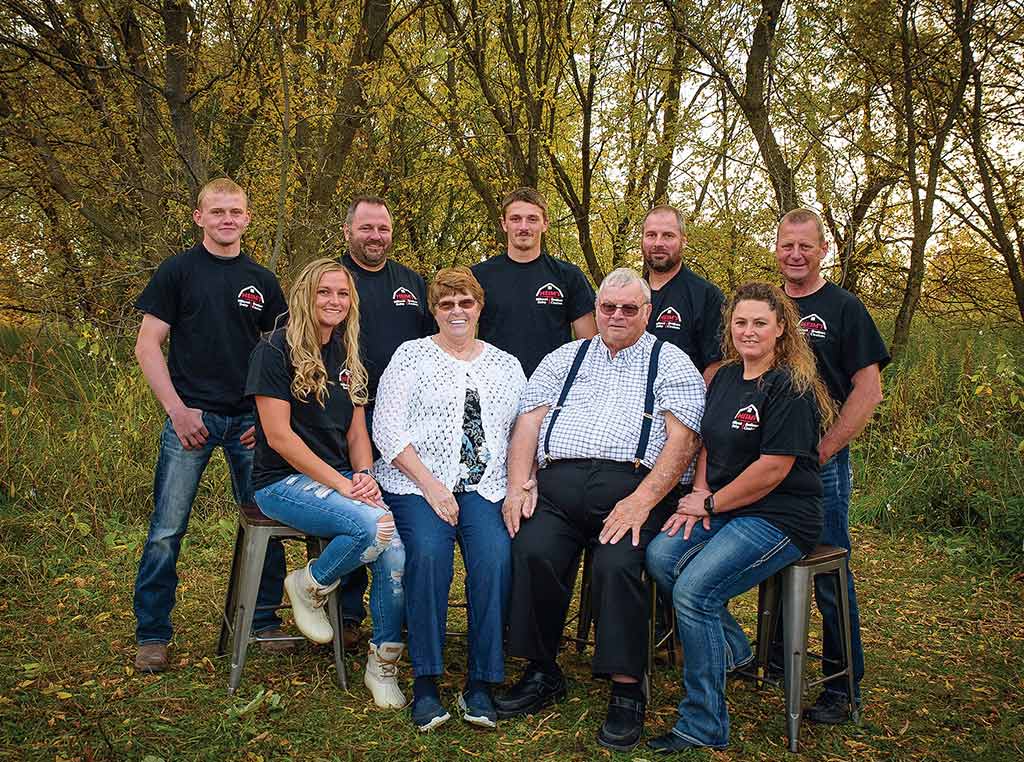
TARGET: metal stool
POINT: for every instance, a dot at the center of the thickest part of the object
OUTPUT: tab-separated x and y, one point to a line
254	532
585	617
795	582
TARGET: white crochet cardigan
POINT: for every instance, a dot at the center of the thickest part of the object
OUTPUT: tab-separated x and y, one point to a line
421	401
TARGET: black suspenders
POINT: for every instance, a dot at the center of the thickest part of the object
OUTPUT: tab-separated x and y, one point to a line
576	363
645	427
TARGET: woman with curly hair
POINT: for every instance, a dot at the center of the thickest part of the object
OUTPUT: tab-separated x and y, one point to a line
755	507
312	461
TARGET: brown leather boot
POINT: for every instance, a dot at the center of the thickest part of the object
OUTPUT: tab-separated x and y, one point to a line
151	657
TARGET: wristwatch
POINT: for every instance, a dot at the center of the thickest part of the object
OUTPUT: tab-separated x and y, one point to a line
366	471
709	505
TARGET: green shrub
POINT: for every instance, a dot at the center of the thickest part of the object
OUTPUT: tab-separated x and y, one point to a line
945	449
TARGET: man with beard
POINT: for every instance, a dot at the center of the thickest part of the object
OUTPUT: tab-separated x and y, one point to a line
686	309
393	308
534	302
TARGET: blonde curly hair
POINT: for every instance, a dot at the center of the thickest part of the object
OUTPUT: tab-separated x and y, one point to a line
303	335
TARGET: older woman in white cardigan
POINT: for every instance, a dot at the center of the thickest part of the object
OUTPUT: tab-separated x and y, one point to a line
444	414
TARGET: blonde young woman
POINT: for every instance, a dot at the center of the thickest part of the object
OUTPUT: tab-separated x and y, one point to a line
756	501
312	461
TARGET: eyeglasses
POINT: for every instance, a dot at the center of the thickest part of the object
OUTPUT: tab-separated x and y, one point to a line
628	310
448	306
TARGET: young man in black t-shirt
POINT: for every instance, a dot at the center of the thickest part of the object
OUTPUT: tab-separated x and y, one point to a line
850	354
534	302
393	310
686	309
213	302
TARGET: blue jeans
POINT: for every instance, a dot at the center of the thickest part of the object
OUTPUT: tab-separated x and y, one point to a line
305	504
836	478
174	488
430	548
703	574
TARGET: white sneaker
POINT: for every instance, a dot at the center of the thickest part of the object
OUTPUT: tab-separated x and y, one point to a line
308	599
381	673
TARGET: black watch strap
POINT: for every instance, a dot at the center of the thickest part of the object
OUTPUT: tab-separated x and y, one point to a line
709	505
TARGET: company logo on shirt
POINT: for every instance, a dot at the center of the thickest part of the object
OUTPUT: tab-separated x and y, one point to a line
669	318
403	297
549	293
343	378
251	298
813	326
746	419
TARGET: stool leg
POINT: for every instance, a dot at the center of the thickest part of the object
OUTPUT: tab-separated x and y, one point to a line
767	605
230	599
586	612
845	627
651	624
796	613
254	553
334	614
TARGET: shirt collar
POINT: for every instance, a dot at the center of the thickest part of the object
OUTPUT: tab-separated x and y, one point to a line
638	349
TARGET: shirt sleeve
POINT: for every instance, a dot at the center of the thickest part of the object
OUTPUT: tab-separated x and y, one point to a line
268	373
161	297
390	412
862	344
789	424
275	305
711	326
679	388
581	295
546	382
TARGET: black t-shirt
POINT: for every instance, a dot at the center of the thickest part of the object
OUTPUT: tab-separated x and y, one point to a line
765	416
217	308
323	429
687	312
530	306
843	336
392	309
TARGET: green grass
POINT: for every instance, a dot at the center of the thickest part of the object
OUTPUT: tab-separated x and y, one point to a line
937	554
944	643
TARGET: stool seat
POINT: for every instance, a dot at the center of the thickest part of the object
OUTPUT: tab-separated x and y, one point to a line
821	555
254	516
255	531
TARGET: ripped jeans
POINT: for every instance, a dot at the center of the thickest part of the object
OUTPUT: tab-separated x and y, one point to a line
355	539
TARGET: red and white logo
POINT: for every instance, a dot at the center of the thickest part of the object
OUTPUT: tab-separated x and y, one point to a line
251	298
669	318
403	297
813	326
344	377
746	419
549	293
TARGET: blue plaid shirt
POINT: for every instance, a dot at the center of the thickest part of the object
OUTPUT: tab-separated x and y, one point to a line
602	416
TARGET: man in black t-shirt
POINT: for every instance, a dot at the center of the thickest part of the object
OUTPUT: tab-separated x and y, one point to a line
213	302
534	302
686	309
850	354
392	310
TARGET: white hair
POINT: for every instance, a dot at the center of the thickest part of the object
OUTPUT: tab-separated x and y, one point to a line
622	277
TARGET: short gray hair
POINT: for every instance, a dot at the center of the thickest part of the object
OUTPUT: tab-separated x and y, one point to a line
622	277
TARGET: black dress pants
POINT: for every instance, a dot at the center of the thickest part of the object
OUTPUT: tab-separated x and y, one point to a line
574	498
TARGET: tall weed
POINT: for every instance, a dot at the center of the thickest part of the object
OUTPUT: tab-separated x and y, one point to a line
946	450
79	436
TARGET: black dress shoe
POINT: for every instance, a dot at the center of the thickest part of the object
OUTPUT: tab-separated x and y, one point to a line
669	743
624	724
534	691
